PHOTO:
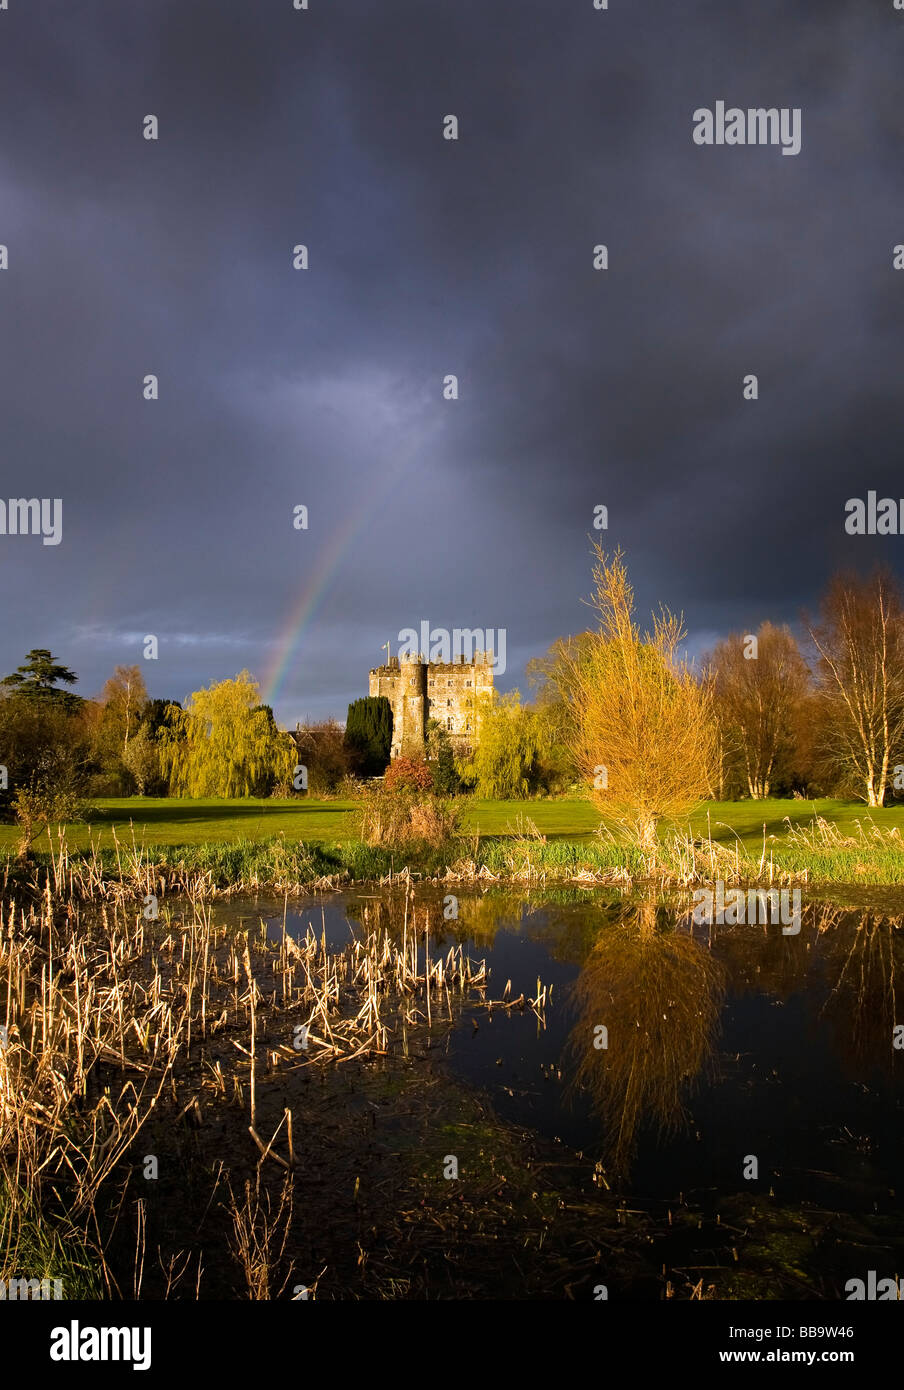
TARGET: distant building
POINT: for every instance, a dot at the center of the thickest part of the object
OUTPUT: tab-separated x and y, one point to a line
447	691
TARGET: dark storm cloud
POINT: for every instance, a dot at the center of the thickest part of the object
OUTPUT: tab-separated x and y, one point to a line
429	257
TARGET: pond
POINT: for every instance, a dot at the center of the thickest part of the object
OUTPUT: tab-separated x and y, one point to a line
700	1066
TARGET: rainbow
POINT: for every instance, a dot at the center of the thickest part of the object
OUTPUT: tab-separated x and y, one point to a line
305	606
326	566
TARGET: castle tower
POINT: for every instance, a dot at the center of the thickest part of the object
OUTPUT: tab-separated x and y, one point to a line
409	715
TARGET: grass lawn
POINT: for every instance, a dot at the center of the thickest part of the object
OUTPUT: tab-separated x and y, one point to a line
725	821
170	821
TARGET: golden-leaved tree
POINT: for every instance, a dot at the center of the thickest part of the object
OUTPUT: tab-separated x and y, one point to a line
644	732
225	743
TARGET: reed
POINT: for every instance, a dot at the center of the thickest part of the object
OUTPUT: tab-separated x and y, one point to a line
103	1011
260	1232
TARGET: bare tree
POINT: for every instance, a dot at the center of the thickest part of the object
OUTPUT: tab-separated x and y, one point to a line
860	641
124	697
758	681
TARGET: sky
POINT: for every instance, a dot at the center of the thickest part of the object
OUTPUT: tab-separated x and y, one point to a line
427	257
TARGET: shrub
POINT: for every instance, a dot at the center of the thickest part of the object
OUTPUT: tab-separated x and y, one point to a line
104	784
405	819
408	774
42	805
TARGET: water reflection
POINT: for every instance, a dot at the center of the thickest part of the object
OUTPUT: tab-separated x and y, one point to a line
864	964
762	1034
658	994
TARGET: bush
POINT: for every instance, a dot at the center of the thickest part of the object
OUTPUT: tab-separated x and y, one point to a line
433	821
408	774
42	805
405	818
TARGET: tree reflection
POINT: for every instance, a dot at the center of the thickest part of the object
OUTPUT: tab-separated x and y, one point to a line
658	992
865	1002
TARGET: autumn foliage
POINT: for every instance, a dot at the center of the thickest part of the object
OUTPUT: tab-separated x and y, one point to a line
644	732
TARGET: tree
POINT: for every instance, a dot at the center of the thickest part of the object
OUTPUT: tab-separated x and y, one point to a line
157	713
322	750
552	677
860	641
144	764
44	749
368	733
115	718
644	726
441	756
504	765
225	744
757	689
124	699
37	677
142	759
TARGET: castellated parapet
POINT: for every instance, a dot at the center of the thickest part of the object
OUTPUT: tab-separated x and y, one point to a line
447	691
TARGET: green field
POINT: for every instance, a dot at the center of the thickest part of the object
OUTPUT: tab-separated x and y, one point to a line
171	821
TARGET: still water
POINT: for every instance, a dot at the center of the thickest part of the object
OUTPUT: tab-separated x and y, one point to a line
682	1058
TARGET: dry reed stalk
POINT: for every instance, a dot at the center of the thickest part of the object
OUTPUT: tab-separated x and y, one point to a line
260	1238
251	990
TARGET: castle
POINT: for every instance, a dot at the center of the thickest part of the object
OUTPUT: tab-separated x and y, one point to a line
447	691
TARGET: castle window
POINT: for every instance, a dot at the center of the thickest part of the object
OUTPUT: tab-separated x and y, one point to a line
450	723
467	682
450	685
449	703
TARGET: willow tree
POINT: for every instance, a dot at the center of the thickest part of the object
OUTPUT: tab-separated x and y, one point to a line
552	677
644	732
504	765
225	743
